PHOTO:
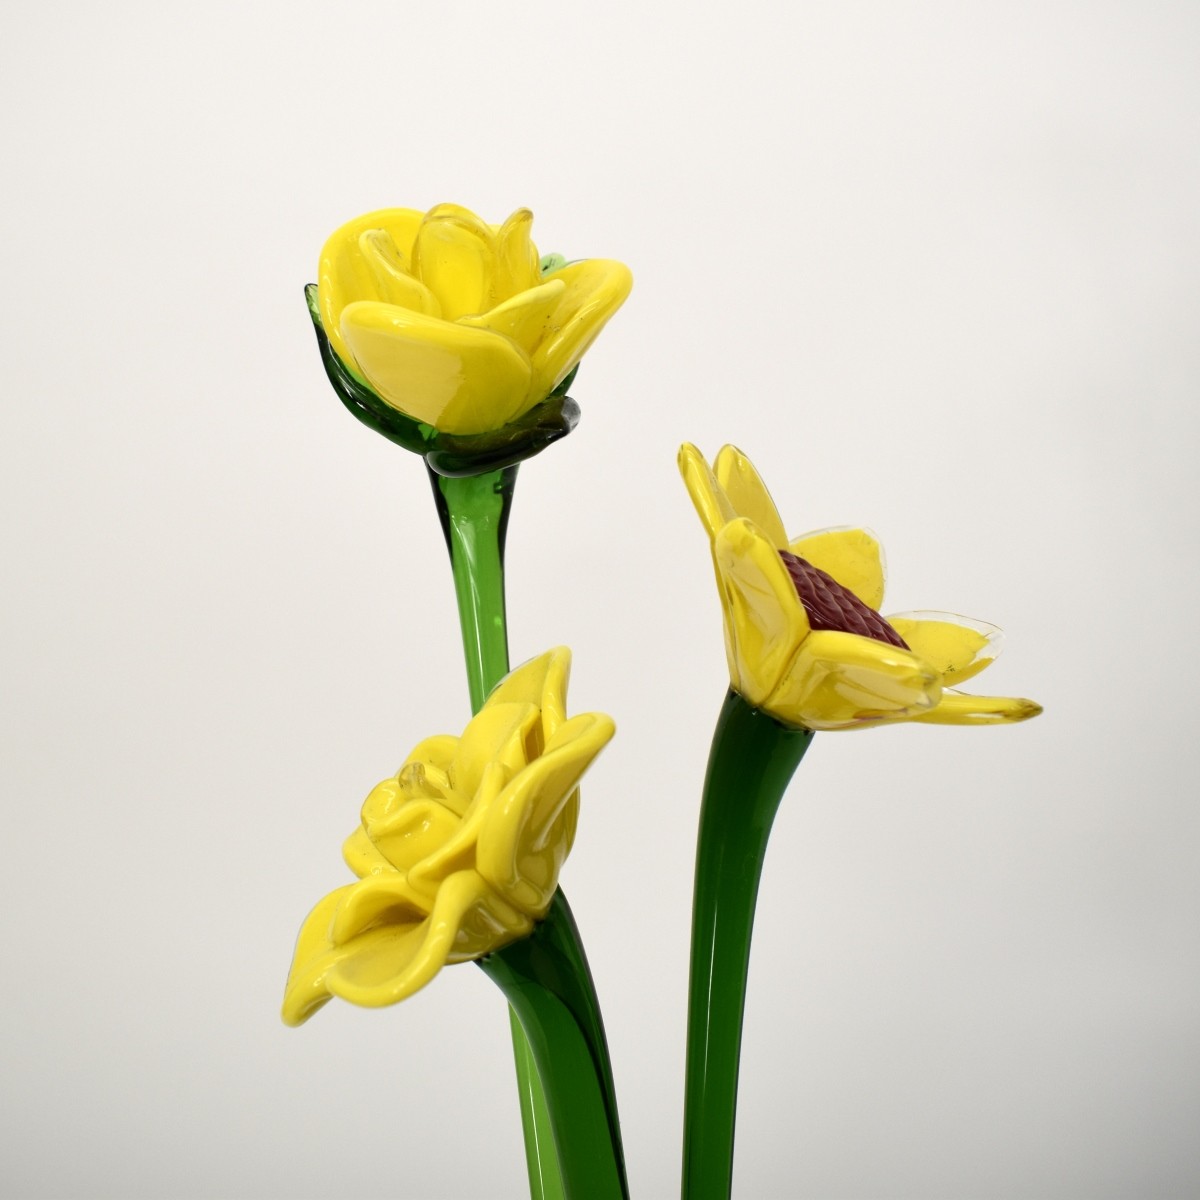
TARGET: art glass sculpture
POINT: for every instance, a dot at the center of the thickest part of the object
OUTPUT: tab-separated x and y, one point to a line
457	341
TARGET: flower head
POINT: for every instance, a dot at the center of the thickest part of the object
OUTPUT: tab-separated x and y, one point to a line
459	853
452	321
803	634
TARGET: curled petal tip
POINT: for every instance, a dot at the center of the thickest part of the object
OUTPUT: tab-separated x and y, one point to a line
957	708
687	458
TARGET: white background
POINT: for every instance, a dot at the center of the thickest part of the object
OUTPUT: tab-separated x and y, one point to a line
932	265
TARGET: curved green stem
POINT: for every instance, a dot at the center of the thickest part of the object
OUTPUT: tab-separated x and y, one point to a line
568	1154
751	762
546	979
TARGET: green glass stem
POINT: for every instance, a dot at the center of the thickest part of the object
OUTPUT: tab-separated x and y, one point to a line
749	768
572	1135
541	1156
549	986
474	513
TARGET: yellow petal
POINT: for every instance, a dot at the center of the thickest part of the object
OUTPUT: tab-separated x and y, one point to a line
486	924
525	317
748	494
459	379
382	801
542	681
393	284
957	709
453	255
344	276
426	775
764	619
517	265
844	681
853	557
437	751
385	898
361	857
390	961
595	289
707	494
958	647
527	832
420	828
305	991
497	733
458	849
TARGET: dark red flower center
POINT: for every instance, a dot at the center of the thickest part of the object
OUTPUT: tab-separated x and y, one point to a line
829	605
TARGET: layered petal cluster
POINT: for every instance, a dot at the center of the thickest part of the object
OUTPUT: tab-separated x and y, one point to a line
459	853
452	321
803	634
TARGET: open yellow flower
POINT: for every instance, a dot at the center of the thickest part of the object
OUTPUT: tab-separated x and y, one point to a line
803	634
451	321
459	854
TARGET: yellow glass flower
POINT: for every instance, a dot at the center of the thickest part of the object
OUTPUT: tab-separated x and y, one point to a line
451	321
457	855
803	634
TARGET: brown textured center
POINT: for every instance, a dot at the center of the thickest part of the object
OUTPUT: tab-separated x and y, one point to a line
829	605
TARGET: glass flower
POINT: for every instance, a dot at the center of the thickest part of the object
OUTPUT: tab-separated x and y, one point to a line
803	634
452	321
459	854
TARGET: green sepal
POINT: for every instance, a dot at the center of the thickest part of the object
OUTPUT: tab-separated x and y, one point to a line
457	455
453	455
361	400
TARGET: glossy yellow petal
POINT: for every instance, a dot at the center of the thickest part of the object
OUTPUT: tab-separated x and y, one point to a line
844	681
487	924
594	290
708	496
527	832
454	256
420	828
458	850
958	647
541	681
437	751
391	960
383	800
460	379
853	557
426	775
305	991
497	733
393	284
748	495
517	264
394	960
764	619
344	276
361	857
525	318
385	898
958	709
